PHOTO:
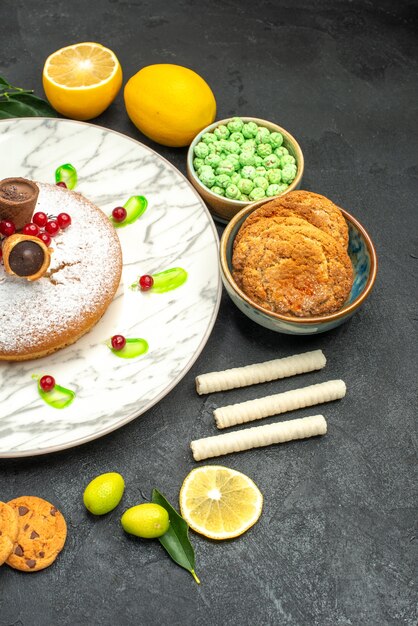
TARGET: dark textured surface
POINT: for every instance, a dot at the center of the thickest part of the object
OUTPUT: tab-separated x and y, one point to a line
336	544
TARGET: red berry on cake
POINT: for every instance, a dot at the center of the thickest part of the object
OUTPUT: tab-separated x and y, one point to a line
7	228
118	342
146	282
64	220
52	227
62	184
47	383
119	214
40	219
31	229
45	238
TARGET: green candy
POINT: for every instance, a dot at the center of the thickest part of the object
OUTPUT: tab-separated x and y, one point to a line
235	178
245	185
246	158
248	171
276	139
213	160
218	190
271	161
235	125
249	130
261	171
257	193
249	144
288	173
282	188
258	161
207	176
244	197
201	150
208	138
226	167
274	176
221	132
287	159
67	174
212	147
233	147
237	137
264	149
260	181
218	146
198	163
232	192
223	180
272	190
262	135
281	151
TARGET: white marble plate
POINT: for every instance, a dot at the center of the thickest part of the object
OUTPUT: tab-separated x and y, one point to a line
175	230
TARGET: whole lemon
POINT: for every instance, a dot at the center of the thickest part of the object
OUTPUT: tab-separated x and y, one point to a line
104	493
169	103
146	520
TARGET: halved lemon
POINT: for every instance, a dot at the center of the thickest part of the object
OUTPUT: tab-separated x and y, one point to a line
82	80
219	502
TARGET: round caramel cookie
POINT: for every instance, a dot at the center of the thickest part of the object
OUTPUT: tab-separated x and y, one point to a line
41	536
290	267
312	207
8	531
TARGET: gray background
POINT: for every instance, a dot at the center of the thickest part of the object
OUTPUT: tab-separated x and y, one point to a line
336	544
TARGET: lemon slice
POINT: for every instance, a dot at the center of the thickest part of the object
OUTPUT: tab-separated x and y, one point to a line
80	81
219	503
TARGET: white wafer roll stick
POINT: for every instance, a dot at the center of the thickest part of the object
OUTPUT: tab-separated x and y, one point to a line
260	372
279	403
258	437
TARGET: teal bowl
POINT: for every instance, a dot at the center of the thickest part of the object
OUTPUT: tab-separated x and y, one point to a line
363	257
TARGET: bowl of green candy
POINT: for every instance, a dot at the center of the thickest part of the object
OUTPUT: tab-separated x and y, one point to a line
240	160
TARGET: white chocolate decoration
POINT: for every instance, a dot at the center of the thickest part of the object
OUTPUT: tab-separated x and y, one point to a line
258	437
279	403
260	372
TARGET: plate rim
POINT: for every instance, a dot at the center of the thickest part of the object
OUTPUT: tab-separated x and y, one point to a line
106	431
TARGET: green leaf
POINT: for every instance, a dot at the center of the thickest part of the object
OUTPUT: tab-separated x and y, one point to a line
24	105
66	174
3	81
176	540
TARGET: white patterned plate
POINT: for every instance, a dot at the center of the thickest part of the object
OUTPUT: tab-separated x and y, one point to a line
175	231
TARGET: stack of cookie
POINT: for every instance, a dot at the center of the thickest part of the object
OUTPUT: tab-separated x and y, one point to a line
32	533
290	256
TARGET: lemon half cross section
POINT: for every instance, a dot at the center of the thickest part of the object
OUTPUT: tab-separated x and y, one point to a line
219	503
82	80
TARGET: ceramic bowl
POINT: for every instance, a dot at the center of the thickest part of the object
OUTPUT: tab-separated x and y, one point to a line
363	257
223	209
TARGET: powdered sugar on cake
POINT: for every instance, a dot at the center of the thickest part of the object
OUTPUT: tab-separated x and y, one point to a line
84	263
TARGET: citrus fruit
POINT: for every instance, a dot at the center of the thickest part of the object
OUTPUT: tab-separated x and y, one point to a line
219	503
82	80
146	520
169	103
104	493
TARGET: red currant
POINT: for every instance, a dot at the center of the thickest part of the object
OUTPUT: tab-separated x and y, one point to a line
47	383
118	342
45	238
62	184
52	227
146	282
64	220
31	229
7	228
40	219
119	214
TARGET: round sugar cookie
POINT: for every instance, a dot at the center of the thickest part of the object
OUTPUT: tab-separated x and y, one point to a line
8	531
41	316
41	536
